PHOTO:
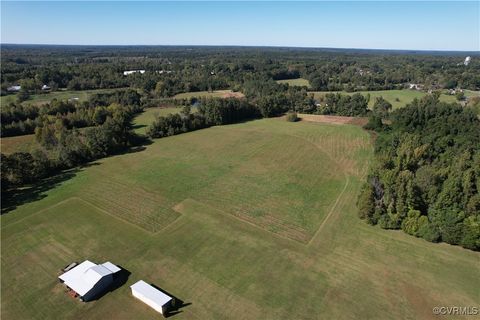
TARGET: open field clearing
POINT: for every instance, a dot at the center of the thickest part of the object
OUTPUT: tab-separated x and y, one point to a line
333	119
300	82
144	119
248	221
17	144
399	98
209	94
38	99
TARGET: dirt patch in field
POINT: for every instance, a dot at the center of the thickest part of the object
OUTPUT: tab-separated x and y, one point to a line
358	121
418	301
232	94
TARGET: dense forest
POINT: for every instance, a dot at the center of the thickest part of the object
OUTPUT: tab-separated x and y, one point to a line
426	177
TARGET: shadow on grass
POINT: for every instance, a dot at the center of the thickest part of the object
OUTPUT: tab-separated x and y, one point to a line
176	305
13	198
139	126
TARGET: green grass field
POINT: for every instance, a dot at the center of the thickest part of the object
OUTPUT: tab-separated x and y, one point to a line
248	221
300	82
209	94
404	96
38	99
144	119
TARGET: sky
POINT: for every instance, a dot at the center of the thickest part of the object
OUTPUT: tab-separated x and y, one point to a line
431	25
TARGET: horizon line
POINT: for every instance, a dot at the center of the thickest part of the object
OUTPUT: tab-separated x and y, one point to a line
233	45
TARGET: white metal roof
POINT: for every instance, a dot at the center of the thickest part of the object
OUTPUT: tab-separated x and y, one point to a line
151	296
83	277
111	266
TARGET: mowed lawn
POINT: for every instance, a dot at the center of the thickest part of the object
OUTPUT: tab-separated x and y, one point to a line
41	98
248	221
300	82
400	98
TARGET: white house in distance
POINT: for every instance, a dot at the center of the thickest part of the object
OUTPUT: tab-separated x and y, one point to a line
151	296
126	73
88	279
15	88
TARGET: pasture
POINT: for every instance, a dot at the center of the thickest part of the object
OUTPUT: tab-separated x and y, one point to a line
300	82
209	94
17	144
41	98
399	98
248	221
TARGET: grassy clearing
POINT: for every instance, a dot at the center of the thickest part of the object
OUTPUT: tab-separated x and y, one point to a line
38	99
209	94
17	144
258	222
144	119
300	82
399	98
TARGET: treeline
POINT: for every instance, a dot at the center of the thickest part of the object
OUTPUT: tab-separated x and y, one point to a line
426	177
103	128
17	119
210	112
355	105
60	148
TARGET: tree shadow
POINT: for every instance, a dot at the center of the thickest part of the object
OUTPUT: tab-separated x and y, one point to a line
176	305
139	126
13	198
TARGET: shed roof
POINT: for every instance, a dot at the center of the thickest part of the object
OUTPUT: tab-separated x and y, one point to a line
153	297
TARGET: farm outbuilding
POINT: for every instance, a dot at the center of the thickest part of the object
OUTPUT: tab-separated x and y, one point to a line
151	296
89	280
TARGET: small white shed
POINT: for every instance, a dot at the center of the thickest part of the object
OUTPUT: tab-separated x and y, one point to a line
151	296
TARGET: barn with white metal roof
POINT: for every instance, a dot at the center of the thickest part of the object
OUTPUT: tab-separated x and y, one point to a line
88	279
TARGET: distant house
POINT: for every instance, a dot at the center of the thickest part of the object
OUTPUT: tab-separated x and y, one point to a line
126	73
45	87
152	297
415	86
14	88
89	280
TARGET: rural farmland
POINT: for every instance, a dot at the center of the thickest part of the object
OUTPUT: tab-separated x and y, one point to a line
399	98
41	98
240	160
195	214
209	94
300	82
